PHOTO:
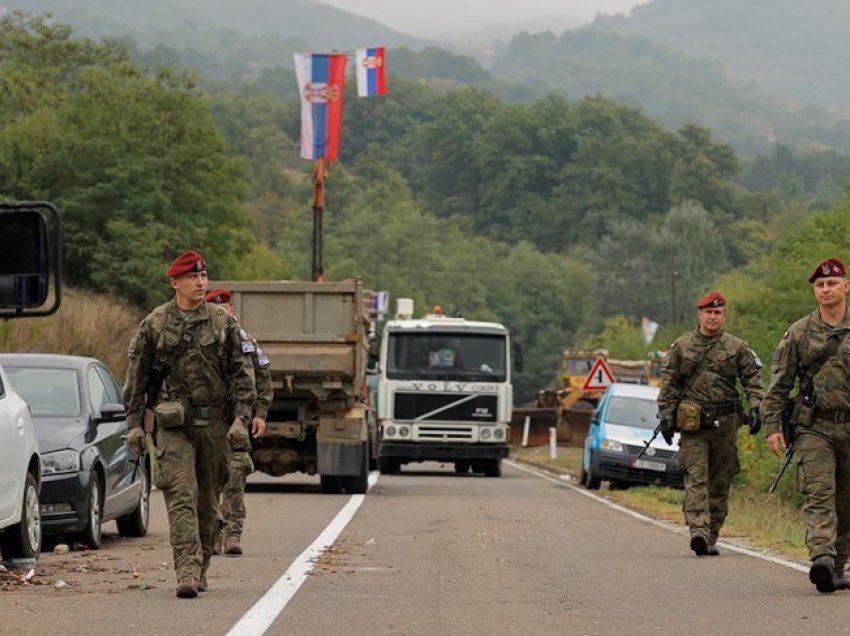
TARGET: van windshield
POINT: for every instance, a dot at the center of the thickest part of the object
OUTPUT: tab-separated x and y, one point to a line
631	411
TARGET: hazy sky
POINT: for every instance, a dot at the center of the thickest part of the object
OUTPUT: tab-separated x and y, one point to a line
450	18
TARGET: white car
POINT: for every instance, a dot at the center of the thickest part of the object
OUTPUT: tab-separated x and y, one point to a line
20	477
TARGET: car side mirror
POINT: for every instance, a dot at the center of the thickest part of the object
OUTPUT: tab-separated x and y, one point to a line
112	412
30	259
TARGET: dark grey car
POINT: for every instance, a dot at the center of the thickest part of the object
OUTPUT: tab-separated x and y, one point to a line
88	476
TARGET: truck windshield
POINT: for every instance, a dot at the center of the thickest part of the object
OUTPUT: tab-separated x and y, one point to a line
447	356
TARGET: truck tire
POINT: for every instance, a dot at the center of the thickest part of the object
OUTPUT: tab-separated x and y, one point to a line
359	484
493	467
388	465
479	465
462	466
331	484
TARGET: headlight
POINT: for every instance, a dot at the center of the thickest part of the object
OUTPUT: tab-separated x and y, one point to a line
485	433
612	445
498	433
64	461
403	431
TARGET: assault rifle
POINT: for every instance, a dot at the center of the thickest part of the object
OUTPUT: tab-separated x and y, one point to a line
788	435
152	388
655	434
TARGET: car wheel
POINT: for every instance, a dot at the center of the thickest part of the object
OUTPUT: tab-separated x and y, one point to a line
92	534
462	466
592	481
136	523
23	540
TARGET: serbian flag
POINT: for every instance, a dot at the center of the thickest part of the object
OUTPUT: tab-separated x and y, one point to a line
371	71
321	80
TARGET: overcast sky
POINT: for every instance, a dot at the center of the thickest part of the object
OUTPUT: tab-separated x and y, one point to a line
453	18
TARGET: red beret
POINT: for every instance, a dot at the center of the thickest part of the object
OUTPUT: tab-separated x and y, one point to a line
827	268
218	296
713	299
189	261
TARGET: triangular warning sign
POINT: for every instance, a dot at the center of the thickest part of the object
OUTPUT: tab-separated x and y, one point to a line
600	376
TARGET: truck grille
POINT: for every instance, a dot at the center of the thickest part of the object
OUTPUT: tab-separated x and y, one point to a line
409	406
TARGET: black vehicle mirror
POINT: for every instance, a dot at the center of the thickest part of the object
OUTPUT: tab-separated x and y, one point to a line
30	259
518	356
112	412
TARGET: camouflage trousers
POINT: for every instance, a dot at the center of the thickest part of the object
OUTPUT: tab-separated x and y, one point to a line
822	455
233	496
191	472
709	460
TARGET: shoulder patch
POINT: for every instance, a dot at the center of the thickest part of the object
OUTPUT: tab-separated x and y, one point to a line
262	358
756	358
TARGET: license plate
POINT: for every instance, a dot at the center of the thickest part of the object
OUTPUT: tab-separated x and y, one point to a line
647	465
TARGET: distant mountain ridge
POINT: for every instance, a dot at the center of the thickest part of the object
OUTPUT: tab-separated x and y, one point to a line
155	22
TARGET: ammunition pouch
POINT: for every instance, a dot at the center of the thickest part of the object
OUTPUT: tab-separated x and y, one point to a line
803	414
170	414
688	416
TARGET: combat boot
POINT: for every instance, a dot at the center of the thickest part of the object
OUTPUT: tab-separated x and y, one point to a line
187	587
839	578
202	580
231	545
821	573
699	544
218	546
712	550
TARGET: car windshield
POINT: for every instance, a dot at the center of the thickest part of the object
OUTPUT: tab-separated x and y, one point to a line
632	411
49	392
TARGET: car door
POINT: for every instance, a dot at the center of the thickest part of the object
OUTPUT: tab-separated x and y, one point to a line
127	493
109	443
10	457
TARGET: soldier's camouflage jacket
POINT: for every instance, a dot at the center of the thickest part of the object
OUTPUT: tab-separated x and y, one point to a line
262	373
729	358
803	343
203	355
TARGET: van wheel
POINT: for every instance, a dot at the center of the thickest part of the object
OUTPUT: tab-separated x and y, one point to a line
23	540
592	481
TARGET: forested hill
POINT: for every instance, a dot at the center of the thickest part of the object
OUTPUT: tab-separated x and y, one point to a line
672	87
794	48
203	24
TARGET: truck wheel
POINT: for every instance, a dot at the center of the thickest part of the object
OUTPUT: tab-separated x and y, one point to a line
359	484
388	466
479	465
331	484
462	466
493	467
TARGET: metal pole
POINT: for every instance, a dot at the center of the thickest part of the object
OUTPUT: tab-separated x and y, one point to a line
525	426
553	443
319	177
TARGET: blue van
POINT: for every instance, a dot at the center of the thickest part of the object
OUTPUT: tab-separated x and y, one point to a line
623	421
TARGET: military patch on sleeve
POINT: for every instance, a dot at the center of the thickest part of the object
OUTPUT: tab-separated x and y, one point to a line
756	359
262	358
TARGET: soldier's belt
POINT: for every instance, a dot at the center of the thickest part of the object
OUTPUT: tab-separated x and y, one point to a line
833	416
207	412
719	409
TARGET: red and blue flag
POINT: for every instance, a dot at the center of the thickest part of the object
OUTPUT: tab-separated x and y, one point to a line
321	81
371	71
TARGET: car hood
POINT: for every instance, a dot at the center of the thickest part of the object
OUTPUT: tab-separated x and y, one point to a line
635	435
56	433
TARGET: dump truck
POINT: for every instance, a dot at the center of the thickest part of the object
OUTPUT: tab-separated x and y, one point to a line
569	407
315	335
444	392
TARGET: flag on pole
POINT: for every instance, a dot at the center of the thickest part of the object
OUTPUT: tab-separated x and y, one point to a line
648	328
371	71
321	83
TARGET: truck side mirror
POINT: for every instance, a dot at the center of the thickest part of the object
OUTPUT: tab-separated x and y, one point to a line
30	259
518	356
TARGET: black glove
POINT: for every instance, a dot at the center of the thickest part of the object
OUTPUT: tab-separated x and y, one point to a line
755	420
667	430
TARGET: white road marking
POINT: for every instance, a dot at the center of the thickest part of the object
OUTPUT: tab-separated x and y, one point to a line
773	558
260	617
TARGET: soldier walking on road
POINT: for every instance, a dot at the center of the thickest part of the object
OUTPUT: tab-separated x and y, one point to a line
812	350
233	497
699	397
186	358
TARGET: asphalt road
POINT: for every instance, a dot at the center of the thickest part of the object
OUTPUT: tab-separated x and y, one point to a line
427	552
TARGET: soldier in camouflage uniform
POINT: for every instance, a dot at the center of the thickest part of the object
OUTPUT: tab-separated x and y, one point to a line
197	351
702	368
233	497
822	432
